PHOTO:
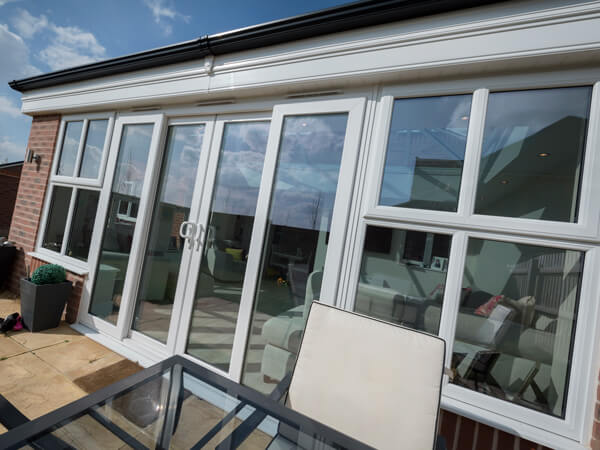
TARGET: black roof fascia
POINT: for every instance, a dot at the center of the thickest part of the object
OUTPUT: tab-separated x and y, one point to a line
11	164
337	19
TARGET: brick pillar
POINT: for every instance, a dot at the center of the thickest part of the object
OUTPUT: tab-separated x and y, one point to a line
30	196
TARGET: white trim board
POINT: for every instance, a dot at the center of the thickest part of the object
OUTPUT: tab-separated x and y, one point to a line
479	38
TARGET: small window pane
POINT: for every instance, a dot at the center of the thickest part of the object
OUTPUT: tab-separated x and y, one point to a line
92	152
516	323
82	225
68	153
425	154
57	218
532	153
402	274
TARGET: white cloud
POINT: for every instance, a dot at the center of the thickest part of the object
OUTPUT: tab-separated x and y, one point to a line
14	55
10	151
162	13
4	2
8	107
27	25
71	46
66	46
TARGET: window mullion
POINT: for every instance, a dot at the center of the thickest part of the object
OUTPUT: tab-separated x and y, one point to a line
69	221
452	293
468	185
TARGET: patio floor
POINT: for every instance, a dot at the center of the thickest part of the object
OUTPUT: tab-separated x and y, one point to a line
40	372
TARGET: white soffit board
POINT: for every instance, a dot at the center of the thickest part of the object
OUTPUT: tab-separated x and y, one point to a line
472	41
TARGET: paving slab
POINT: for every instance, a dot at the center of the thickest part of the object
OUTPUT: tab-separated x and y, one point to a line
34	387
9	306
78	357
33	341
9	347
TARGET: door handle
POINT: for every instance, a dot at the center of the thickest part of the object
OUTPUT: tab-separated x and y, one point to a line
199	234
187	230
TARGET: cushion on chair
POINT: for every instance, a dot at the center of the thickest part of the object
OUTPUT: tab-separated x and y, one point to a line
374	381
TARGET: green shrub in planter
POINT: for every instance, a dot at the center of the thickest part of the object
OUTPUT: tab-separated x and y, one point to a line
49	274
43	297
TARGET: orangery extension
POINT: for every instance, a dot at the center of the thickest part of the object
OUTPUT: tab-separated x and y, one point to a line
434	164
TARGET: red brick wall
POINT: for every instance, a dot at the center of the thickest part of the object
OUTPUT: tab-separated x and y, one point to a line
9	184
30	197
465	434
29	206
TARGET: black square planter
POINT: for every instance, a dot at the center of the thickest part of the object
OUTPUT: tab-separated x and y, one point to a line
42	305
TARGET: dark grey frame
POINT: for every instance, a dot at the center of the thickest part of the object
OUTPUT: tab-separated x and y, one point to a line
33	430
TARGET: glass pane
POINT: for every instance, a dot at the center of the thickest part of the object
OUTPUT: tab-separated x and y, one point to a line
219	285
533	142
516	323
57	218
119	228
402	274
426	151
70	145
84	215
205	415
92	152
296	240
156	292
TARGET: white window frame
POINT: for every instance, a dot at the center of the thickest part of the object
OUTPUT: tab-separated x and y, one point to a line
584	235
75	178
76	184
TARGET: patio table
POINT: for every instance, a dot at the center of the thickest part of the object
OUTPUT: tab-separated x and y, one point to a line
176	404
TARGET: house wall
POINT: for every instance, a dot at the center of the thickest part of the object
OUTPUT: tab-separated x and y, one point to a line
460	432
29	205
9	184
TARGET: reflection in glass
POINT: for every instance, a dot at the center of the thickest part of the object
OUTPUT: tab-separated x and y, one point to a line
118	231
92	151
516	323
402	273
207	413
68	152
219	286
57	218
533	143
84	215
426	151
296	240
156	292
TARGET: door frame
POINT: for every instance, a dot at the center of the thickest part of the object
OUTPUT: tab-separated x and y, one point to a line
185	313
158	121
166	349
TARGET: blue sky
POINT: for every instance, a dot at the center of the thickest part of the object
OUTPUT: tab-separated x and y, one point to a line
43	36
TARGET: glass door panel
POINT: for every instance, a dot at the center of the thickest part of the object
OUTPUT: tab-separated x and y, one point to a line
164	249
295	243
222	271
121	222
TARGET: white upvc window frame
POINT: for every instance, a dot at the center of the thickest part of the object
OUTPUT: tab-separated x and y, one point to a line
75	178
583	235
76	184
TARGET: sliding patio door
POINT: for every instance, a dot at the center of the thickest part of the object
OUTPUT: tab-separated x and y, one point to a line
272	236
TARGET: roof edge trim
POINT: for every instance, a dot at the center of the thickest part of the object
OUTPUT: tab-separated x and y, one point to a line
332	20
